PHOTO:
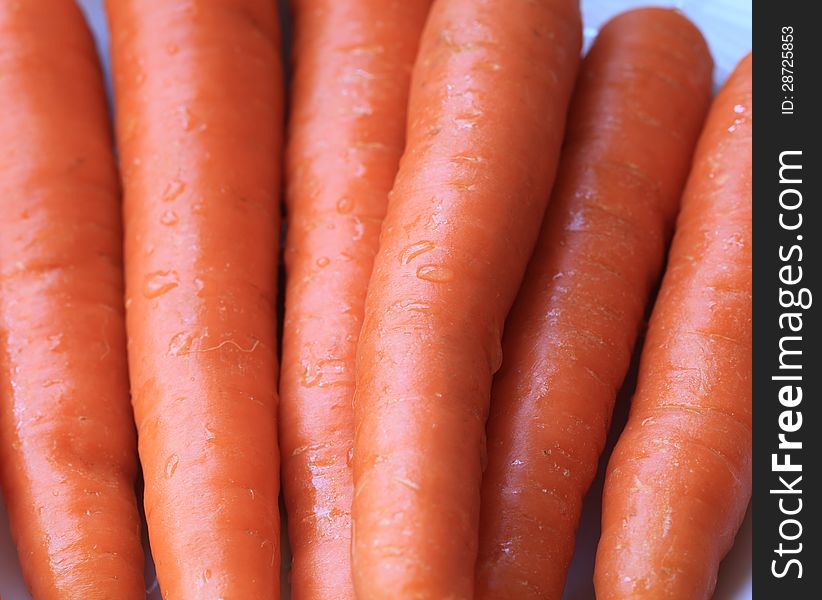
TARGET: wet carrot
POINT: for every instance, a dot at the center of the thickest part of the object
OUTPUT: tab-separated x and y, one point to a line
638	108
67	444
198	95
489	93
679	480
340	164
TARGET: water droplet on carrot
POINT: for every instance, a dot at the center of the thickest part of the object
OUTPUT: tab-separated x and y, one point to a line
466	158
739	108
435	273
345	205
419	307
322	261
311	375
171	465
323	373
169	218
414	250
467	120
350	458
174	188
185	117
159	283
55	342
180	344
359	230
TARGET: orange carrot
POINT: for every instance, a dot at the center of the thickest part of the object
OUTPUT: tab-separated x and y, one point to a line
643	92
67	446
198	92
679	480
487	108
341	161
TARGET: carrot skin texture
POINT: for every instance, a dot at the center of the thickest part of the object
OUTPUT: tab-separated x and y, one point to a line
635	117
489	93
198	93
679	481
340	164
67	443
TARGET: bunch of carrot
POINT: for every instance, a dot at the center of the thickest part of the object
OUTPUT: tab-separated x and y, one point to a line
475	224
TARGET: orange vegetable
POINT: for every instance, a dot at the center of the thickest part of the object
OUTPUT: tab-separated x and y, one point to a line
67	445
679	480
341	161
642	94
198	90
487	109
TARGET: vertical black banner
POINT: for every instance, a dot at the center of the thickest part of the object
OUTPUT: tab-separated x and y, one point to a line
787	270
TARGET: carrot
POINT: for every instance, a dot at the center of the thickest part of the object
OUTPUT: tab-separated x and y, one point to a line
198	90
487	109
341	162
67	445
679	480
643	91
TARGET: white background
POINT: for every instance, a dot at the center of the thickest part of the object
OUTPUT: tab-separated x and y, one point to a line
727	26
